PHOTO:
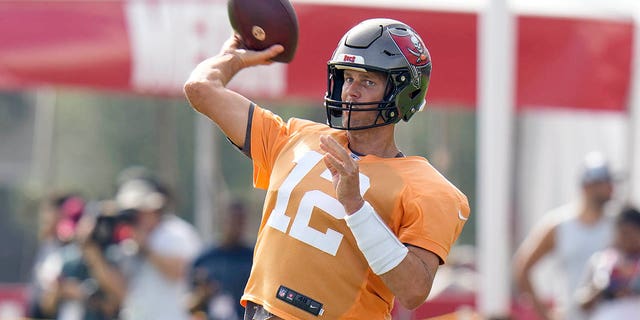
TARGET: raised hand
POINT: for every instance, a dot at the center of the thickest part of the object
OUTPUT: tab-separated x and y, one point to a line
249	58
344	172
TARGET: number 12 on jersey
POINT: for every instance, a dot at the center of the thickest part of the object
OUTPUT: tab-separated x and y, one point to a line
328	242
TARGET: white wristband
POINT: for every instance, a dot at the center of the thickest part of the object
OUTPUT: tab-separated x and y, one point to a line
380	246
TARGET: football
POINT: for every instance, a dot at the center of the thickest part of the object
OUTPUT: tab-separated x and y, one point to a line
263	23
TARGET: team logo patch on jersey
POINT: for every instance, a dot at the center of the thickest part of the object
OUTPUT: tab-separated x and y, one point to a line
282	292
299	300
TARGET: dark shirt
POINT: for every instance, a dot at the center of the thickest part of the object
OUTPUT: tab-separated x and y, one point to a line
74	267
228	267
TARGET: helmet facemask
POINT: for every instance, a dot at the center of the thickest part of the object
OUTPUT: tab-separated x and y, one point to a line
336	109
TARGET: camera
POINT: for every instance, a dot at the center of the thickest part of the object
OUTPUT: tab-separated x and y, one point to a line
115	219
112	228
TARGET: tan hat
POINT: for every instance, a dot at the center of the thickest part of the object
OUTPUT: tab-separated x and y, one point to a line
140	195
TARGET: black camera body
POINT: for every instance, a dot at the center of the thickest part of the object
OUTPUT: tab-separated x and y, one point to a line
111	229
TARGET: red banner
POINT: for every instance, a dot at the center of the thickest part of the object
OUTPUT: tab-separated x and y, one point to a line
150	46
585	64
67	43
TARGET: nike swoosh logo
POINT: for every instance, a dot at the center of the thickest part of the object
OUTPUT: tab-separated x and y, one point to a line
461	216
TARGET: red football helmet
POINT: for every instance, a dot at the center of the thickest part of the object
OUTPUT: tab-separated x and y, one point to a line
387	46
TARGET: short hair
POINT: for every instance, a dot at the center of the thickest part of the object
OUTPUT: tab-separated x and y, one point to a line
629	215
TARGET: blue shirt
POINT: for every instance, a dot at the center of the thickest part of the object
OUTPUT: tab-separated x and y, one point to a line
229	267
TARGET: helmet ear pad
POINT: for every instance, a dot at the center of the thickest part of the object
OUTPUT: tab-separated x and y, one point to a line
412	97
390	115
390	112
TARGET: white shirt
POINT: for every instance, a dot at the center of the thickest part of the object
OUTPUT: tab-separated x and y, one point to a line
575	244
151	295
623	308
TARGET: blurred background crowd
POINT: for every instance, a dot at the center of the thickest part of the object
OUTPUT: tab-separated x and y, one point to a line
132	257
115	195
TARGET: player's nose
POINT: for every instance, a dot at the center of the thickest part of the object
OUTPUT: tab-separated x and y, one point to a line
351	92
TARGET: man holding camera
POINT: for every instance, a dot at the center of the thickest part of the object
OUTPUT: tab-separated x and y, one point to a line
73	293
150	280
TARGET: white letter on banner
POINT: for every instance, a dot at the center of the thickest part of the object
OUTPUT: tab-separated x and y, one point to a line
169	38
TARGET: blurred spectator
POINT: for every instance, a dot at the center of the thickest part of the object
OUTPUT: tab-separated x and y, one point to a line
151	280
55	215
573	233
76	294
611	287
219	275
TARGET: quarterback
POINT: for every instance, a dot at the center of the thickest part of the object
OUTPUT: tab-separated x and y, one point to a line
349	221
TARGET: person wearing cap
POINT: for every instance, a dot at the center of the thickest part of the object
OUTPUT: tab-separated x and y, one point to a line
572	233
610	288
150	281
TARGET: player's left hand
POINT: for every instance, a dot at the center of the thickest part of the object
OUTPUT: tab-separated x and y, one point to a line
345	174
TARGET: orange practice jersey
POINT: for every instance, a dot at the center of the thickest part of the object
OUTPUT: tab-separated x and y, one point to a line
304	243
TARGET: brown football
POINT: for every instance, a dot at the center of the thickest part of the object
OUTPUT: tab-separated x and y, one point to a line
263	23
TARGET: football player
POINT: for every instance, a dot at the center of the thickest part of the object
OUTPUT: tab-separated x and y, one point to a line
349	221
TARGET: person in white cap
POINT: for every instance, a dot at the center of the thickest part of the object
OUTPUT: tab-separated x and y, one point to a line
151	282
572	232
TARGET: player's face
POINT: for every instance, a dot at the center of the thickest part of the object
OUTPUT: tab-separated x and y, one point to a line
362	86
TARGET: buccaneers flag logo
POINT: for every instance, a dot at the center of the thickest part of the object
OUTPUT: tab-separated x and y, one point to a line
411	46
413	49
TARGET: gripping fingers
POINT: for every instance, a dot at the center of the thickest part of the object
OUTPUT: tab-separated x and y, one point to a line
252	58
